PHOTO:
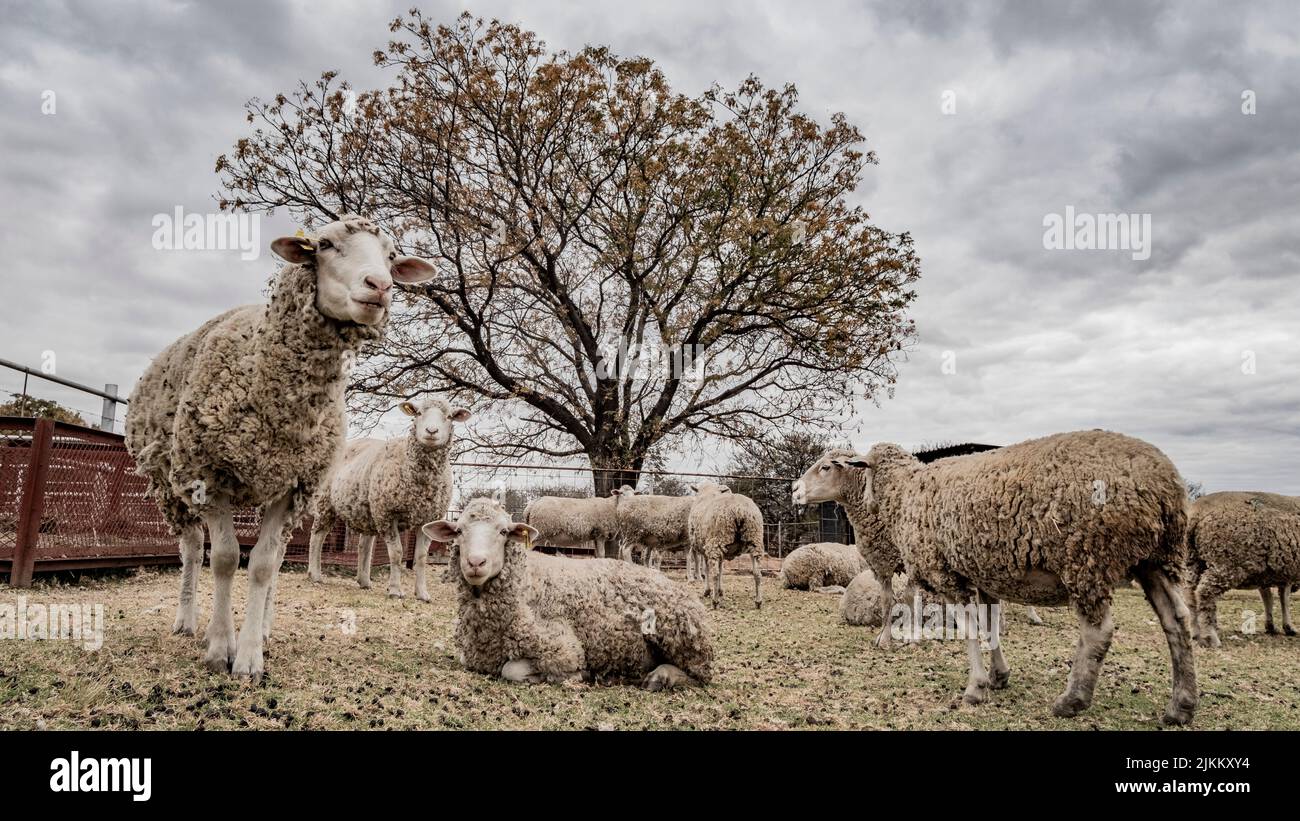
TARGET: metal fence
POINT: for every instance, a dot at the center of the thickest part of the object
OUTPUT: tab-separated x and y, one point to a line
70	500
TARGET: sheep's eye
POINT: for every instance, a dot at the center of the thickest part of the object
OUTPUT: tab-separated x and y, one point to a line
392	255
324	244
826	467
505	532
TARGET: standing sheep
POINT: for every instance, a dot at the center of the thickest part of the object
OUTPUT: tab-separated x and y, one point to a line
248	410
1065	518
564	521
817	565
381	488
531	617
721	526
833	478
649	522
1239	540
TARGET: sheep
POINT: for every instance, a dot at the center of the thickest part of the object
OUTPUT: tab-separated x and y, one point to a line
248	410
813	566
564	521
528	617
830	479
1064	518
861	602
646	523
1241	540
721	526
381	488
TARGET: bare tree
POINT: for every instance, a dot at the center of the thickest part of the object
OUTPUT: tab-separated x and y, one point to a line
623	267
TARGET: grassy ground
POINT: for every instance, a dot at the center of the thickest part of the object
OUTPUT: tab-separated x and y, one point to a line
791	664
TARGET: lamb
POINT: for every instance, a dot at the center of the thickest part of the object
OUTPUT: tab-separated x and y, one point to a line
248	410
721	526
1240	540
528	617
565	521
646	523
813	566
382	488
1065	518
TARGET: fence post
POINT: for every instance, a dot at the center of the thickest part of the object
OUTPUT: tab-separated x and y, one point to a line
108	413
31	505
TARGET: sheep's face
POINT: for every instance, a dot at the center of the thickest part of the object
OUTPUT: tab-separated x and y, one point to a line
707	489
482	535
432	421
827	479
356	266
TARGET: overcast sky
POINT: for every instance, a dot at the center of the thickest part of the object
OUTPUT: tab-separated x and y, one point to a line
1122	107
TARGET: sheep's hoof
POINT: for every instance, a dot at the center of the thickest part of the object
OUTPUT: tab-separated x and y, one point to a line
1288	629
999	679
977	692
1270	628
396	594
666	677
314	578
250	667
180	628
1179	712
1210	640
423	596
758	604
364	585
1068	706
883	639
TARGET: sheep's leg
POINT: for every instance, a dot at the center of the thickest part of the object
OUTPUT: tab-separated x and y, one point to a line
1095	631
999	670
262	567
1163	595
1266	593
422	542
396	553
758	581
666	677
886	611
314	547
1212	585
225	560
977	683
1284	593
365	550
268	618
187	612
717	585
1034	618
520	671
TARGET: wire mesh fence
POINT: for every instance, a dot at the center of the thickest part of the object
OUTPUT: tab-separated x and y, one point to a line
70	499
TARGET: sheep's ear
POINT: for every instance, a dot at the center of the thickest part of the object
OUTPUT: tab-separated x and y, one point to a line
412	270
441	531
460	414
856	462
409	409
724	489
294	249
521	532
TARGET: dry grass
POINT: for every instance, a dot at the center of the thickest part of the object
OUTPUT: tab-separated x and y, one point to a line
791	664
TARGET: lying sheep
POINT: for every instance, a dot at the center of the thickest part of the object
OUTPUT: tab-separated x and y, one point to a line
248	410
721	526
531	617
1239	540
817	565
1065	518
380	488
563	521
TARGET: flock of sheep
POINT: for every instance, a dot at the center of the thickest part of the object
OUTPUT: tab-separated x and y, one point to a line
248	410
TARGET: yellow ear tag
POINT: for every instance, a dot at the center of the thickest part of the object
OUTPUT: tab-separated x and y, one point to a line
299	233
528	540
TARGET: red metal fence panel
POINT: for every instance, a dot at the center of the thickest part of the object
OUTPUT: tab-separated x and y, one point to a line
70	499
